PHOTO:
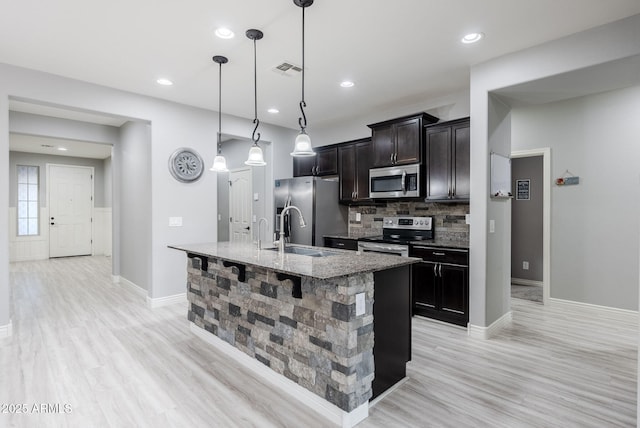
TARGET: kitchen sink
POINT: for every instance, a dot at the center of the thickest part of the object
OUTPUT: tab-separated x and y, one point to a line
311	252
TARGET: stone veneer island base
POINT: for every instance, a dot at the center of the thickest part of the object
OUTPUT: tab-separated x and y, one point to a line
311	320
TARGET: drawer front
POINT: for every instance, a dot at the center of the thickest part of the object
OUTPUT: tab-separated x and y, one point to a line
343	243
440	255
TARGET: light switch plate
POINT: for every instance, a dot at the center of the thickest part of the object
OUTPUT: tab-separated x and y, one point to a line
256	196
358	217
360	304
467	218
492	226
175	221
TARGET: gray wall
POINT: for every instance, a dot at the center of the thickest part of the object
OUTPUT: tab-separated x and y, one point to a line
33	124
594	225
100	198
107	167
134	203
599	45
526	219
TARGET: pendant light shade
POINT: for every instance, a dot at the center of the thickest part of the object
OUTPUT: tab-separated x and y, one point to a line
302	146
303	141
219	162
255	156
255	152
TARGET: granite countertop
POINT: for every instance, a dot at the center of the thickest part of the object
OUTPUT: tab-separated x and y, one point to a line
343	263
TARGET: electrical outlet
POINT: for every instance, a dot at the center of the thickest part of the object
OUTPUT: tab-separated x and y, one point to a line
360	304
175	221
525	265
358	217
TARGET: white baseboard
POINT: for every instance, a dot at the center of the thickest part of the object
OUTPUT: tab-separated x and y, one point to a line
479	332
166	301
520	281
6	330
605	311
304	396
132	286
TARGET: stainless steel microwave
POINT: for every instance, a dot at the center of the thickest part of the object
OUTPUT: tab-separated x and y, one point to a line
401	181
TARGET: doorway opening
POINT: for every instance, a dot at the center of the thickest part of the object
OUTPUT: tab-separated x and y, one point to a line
246	190
530	224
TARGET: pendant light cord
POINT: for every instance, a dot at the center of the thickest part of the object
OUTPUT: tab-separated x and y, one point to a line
220	109
255	137
302	121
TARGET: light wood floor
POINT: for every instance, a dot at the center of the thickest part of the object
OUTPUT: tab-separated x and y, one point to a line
83	341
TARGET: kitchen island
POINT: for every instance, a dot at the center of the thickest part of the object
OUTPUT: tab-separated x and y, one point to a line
312	316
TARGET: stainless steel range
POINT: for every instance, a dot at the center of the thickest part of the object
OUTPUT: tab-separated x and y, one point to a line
397	233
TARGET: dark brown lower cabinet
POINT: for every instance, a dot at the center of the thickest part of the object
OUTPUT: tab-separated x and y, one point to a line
441	284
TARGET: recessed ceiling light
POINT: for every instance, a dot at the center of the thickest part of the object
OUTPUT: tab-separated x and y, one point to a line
273	110
62	149
164	82
347	84
224	33
472	38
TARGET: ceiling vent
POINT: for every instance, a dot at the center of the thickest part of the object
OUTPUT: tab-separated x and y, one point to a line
287	69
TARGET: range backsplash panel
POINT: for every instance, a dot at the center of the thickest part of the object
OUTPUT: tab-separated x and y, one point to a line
449	219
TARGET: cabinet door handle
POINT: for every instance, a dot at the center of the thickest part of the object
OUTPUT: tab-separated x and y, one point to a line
391	158
356	194
440	270
435	270
436	253
340	244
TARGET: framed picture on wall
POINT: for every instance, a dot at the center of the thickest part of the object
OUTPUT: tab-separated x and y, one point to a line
523	190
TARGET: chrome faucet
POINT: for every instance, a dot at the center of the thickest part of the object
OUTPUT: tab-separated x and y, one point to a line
266	222
282	213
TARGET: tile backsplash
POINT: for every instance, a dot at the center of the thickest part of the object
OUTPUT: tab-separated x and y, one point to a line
449	219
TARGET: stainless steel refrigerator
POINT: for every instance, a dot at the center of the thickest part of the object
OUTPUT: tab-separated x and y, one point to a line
318	201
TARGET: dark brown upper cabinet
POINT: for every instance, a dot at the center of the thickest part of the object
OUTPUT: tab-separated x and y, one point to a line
324	163
447	150
399	141
354	161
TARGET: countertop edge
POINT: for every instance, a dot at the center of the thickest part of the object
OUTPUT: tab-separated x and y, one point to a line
398	262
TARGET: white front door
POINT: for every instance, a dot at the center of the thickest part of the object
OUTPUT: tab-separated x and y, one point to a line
70	210
240	205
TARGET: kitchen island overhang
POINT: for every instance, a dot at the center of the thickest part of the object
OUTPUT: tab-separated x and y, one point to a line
309	319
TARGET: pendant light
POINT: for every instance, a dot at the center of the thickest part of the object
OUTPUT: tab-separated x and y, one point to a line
219	162
255	152
303	142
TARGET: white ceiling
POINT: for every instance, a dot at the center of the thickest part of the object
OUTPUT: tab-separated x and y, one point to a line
397	52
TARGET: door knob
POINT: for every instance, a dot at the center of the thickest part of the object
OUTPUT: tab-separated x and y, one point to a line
247	228
52	223
52	218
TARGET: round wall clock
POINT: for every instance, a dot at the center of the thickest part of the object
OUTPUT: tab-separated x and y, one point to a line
186	165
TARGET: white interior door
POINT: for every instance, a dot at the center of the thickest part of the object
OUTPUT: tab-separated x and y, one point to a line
240	205
70	210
